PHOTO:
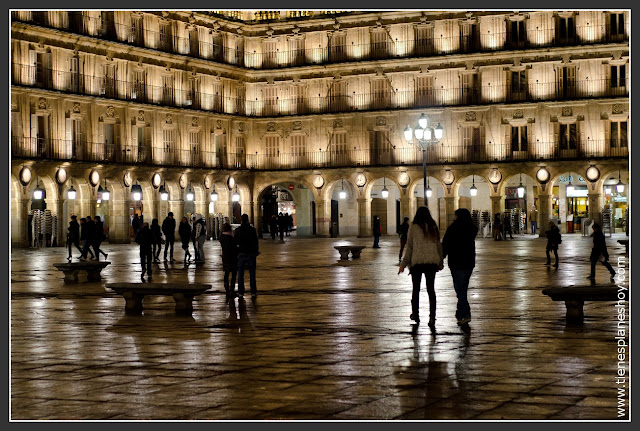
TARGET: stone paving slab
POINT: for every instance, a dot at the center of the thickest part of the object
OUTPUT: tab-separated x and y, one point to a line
324	340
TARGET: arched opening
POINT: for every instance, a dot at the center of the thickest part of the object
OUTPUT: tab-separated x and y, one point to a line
42	215
570	202
520	197
474	194
385	203
435	200
344	209
285	207
615	189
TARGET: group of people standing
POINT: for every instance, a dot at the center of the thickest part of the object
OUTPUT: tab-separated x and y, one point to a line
90	232
282	224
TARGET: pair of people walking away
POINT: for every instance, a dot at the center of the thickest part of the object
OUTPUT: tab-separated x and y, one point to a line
229	260
554	238
599	249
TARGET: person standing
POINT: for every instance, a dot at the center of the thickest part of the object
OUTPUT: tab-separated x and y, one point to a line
229	260
135	224
404	230
87	229
169	231
282	225
200	236
73	236
289	224
194	239
506	223
98	237
146	240
376	232
599	249
157	239
246	239
533	218
459	243
184	231
497	227
553	240
423	256
273	226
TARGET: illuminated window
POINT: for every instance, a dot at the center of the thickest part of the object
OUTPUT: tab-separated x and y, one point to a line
618	134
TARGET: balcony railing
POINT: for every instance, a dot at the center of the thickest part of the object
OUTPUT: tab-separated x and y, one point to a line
443	153
379	50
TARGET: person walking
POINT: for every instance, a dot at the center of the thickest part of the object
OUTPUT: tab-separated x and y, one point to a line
459	243
553	240
229	260
423	255
497	227
194	239
599	249
98	237
246	239
282	225
289	224
506	223
273	226
145	239
184	231
135	224
157	239
376	232
169	231
73	236
87	228
533	219
404	230
200	235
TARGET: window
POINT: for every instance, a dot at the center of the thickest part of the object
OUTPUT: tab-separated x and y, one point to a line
568	136
424	41
472	143
380	147
270	53
339	153
271	100
194	44
168	145
43	70
297	51
193	93
338	44
108	80
167	89
616	26
379	45
424	91
517	34
618	76
193	158
469	37
565	30
469	88
76	22
297	99
74	75
567	82
338	96
165	36
139	91
519	139
136	33
298	145
272	146
108	29
76	137
217	97
240	152
618	134
518	85
381	94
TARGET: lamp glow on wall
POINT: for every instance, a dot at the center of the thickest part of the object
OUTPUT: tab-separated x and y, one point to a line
520	188
343	193
190	194
385	191
38	192
473	190
428	192
71	194
136	191
620	185
164	194
214	195
235	197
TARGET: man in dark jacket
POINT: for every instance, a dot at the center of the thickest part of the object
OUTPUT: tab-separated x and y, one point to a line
146	240
246	239
273	226
282	225
459	244
554	238
87	229
73	236
135	224
403	231
169	231
599	249
98	237
229	260
377	231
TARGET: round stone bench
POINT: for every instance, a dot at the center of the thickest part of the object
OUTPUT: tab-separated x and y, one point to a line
71	270
574	298
182	294
344	251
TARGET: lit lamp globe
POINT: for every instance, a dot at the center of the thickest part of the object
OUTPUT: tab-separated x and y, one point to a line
385	192
164	194
190	195
214	196
38	193
71	194
106	194
136	191
569	187
520	191
473	190
429	191
620	186
342	194
235	197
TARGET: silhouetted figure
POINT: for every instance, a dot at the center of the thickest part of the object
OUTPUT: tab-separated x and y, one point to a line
229	260
533	219
246	239
599	249
73	236
87	229
506	223
459	243
184	231
169	231
403	231
377	231
273	226
553	240
98	237
282	225
200	234
145	239
135	224
497	227
423	256
194	239
157	239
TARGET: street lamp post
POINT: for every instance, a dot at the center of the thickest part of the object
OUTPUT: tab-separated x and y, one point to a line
424	135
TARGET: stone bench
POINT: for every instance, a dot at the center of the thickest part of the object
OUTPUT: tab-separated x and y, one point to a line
182	294
344	251
624	242
574	298
71	270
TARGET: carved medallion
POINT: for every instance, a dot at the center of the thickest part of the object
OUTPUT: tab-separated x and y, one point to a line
241	127
194	121
470	116
337	123
381	121
76	108
169	119
218	124
271	126
518	113
140	115
111	111
567	111
617	109
42	103
297	125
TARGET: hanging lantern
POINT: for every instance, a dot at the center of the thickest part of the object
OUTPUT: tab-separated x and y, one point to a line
105	192
521	188
473	190
190	194
214	195
236	196
164	194
136	192
385	191
620	185
569	188
38	193
71	194
343	193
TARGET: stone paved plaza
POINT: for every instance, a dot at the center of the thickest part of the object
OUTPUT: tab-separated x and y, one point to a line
324	340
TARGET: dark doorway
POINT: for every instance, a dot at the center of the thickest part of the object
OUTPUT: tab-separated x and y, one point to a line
313	217
334	219
237	212
269	207
398	221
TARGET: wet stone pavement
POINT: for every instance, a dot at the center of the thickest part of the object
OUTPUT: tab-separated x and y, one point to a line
324	340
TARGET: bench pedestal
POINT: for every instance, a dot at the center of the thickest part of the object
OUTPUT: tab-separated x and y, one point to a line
575	310
71	270
574	298
344	254
134	293
344	251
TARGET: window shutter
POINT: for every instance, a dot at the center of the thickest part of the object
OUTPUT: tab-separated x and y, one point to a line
134	136
32	67
68	135
116	135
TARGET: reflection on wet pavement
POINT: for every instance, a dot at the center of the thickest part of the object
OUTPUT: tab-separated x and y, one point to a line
324	339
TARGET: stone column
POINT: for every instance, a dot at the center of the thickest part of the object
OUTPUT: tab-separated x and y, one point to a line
177	208
405	207
61	234
450	205
497	204
119	222
544	213
156	204
322	221
595	206
23	222
364	218
254	217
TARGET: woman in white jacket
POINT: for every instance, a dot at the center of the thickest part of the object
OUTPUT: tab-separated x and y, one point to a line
423	255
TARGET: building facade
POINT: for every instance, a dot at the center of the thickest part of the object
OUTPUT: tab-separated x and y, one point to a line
243	112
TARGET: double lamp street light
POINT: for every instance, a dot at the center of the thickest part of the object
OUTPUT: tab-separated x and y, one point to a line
424	135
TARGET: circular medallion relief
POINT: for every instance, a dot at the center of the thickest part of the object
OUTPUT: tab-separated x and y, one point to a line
182	181
495	176
25	176
61	176
361	180
231	183
207	181
593	173
448	177
403	179
156	180
318	181
542	175
126	179
94	177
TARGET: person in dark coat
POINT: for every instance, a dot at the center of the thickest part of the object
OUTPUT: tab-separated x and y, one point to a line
403	231
459	243
98	237
87	230
229	260
289	224
599	249
506	222
194	239
73	236
146	240
273	226
246	239
157	239
135	224
553	240
184	231
497	227
169	231
282	225
376	232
